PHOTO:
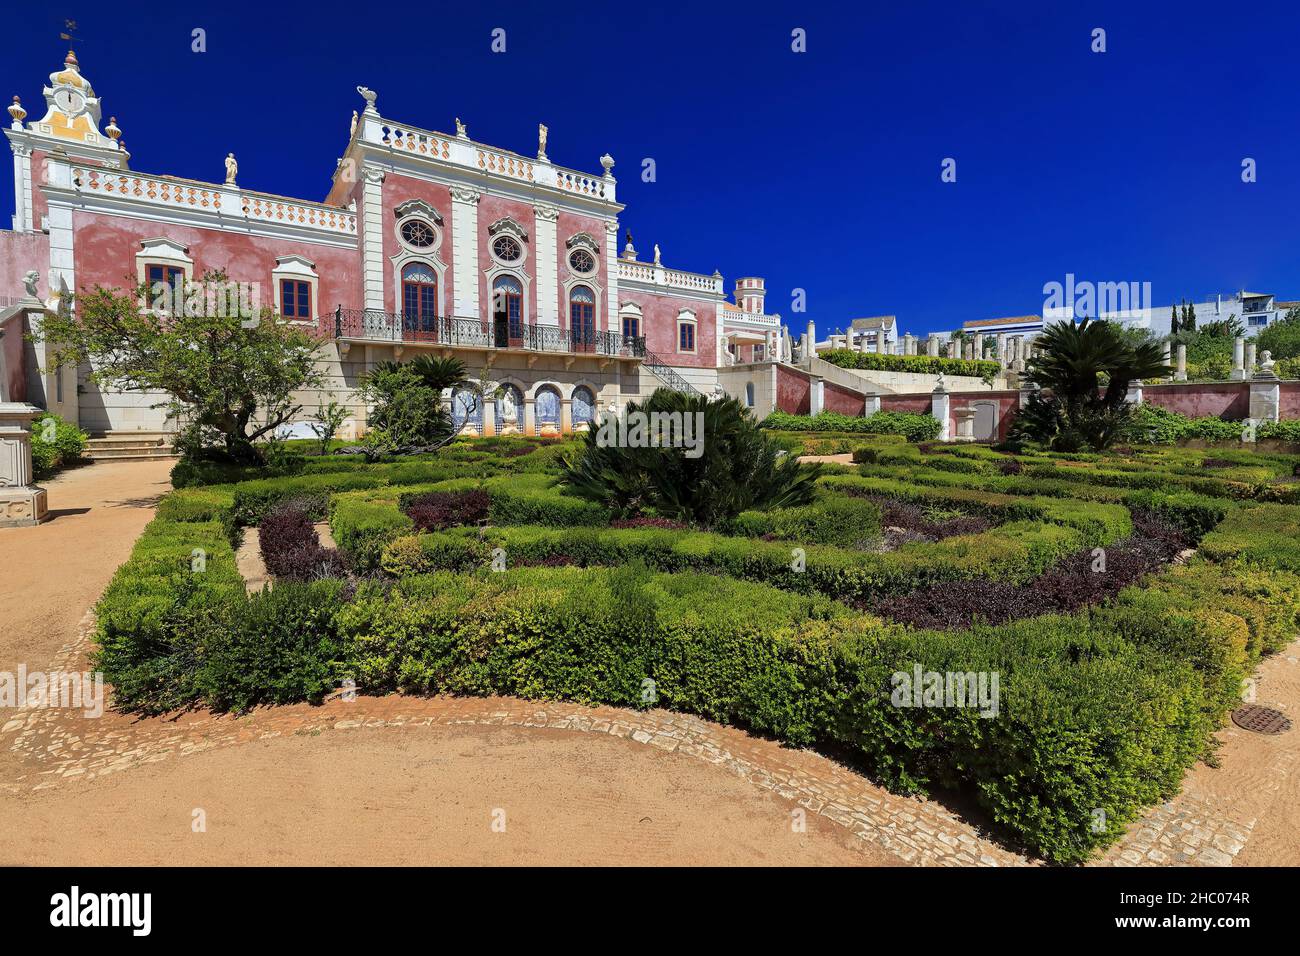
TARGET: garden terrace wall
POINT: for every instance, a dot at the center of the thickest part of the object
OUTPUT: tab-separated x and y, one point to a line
1227	400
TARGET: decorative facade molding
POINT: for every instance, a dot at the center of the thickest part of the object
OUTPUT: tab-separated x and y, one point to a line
507	226
583	240
417	207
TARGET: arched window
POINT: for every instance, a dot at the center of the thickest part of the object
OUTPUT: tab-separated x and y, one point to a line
419	298
508	312
582	318
546	408
583	408
510	410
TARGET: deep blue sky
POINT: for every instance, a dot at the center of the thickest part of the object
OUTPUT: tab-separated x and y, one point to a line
817	170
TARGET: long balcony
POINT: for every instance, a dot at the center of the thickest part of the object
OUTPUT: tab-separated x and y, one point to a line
372	325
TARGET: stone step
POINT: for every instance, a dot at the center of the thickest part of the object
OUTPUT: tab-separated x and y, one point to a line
130	454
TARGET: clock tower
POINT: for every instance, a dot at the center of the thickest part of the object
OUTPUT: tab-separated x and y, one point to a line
72	108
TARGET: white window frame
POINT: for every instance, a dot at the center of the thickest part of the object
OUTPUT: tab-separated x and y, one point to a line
687	317
299	269
161	251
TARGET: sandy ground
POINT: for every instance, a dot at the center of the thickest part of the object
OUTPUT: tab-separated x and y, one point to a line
399	796
53	572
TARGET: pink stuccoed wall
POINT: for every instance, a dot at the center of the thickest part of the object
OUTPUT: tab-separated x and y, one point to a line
1227	400
659	326
1008	402
397	190
106	246
1290	404
793	391
912	404
843	401
21	252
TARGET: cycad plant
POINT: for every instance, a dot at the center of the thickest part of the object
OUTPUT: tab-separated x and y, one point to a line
735	467
407	399
1083	373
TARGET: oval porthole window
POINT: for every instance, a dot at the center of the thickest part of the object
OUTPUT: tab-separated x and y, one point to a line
507	249
417	233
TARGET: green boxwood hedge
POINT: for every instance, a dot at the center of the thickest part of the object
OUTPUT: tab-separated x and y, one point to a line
924	364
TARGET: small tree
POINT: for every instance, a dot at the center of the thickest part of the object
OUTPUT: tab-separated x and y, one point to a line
327	421
230	378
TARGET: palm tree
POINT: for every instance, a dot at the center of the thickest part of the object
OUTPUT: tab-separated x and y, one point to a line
1083	373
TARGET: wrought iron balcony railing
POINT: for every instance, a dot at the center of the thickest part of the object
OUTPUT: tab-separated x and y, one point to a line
380	326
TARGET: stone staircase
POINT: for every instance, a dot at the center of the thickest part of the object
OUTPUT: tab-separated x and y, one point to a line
130	446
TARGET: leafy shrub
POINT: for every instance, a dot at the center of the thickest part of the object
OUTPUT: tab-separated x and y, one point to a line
290	547
279	647
912	426
923	364
1288	430
841	521
1075	582
437	510
55	444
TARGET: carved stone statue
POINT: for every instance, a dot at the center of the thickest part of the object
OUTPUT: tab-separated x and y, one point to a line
232	169
541	140
1266	366
657	254
370	96
29	281
508	411
353	131
460	128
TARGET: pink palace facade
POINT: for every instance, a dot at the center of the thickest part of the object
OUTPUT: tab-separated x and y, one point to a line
427	243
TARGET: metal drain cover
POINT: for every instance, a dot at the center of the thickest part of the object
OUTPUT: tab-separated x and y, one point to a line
1260	720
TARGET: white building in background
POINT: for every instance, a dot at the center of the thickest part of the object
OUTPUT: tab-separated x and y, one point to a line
1256	310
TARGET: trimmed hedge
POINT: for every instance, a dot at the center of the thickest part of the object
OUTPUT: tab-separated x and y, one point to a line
923	364
1016	551
911	426
1105	708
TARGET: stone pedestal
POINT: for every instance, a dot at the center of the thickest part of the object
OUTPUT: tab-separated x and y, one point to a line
939	409
21	502
964	420
489	416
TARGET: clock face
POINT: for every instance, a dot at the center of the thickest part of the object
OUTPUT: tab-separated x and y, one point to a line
69	101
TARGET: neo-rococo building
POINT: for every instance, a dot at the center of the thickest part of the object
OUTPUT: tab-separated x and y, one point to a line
427	243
